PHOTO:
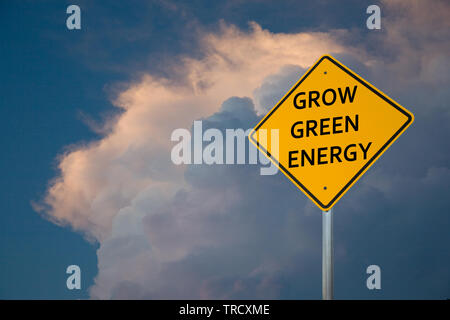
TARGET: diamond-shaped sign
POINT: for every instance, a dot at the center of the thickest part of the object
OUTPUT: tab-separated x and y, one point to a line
332	126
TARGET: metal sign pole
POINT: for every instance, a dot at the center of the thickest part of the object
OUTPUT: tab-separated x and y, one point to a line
327	255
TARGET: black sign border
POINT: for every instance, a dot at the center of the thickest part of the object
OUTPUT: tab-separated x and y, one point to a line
368	163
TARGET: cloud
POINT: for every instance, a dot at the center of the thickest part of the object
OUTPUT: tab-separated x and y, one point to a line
274	86
100	178
221	236
201	231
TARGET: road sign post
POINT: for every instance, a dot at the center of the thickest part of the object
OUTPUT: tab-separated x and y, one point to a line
333	125
327	255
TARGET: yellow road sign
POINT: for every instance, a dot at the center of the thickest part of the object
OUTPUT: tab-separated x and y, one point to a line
332	126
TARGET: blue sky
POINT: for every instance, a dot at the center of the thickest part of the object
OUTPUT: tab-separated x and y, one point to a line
56	82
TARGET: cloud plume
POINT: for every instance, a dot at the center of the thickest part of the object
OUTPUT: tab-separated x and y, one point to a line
199	231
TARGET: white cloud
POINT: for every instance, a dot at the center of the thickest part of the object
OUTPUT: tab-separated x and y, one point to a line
99	179
124	191
163	232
